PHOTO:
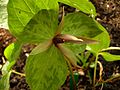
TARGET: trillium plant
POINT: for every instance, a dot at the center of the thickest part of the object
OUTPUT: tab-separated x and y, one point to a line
58	44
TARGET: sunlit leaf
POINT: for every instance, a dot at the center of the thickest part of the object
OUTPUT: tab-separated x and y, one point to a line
46	70
12	52
47	4
20	12
109	57
82	5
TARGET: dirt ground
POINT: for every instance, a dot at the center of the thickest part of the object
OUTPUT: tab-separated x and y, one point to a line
109	16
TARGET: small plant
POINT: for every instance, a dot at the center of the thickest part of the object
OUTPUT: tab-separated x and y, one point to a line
58	46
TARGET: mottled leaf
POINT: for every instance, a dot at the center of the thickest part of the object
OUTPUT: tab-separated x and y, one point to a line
46	70
79	24
41	27
20	12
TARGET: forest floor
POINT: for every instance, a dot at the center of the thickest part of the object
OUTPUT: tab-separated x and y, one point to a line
109	16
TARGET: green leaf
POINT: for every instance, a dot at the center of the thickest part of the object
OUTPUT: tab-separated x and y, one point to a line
104	41
109	57
48	4
41	27
83	5
46	70
4	81
11	53
76	48
20	13
3	14
8	51
80	47
79	24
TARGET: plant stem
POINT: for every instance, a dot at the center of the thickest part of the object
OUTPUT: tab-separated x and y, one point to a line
70	67
23	75
94	78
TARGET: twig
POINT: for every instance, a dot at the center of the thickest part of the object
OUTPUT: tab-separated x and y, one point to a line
109	80
21	74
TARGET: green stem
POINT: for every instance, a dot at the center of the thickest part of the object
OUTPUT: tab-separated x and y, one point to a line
94	78
70	67
21	74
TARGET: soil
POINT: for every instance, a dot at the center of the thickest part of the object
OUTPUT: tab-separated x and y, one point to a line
109	16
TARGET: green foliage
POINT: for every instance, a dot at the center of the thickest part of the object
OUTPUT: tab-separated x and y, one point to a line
45	24
83	5
11	53
41	27
79	24
109	57
36	21
104	41
20	13
46	70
